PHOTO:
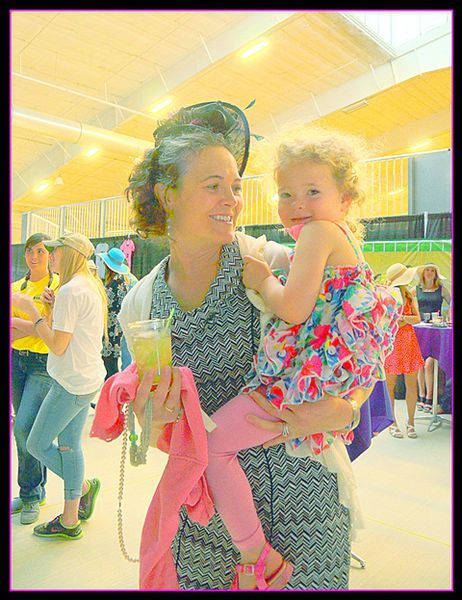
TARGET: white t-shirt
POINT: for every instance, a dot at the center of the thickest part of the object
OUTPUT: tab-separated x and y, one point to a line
78	310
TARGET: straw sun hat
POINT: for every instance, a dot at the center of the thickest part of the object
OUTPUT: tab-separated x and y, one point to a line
420	270
398	274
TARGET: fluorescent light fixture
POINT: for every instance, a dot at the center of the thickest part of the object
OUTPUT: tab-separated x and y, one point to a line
42	186
420	145
254	49
396	192
91	152
356	106
161	105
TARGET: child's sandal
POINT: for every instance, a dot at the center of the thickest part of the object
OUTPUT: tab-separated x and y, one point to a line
277	580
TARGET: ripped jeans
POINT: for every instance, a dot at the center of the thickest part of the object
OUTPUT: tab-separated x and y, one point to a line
62	416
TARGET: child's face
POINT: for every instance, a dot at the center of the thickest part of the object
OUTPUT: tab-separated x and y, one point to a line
308	192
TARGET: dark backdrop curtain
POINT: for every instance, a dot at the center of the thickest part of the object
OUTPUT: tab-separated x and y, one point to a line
149	253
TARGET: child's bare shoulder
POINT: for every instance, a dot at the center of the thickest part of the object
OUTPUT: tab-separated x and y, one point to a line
315	229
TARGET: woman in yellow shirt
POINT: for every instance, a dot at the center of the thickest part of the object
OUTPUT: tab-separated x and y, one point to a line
30	380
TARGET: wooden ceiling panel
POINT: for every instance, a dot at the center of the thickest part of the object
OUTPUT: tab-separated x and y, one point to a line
115	52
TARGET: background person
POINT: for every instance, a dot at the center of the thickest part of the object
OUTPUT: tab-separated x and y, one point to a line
189	187
77	370
30	381
430	294
117	281
406	357
93	268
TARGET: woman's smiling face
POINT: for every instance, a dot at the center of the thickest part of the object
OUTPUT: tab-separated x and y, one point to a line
308	192
207	202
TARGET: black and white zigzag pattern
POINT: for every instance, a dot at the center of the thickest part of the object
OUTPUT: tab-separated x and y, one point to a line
297	499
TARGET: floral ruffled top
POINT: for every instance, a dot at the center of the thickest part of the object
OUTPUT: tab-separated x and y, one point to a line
342	345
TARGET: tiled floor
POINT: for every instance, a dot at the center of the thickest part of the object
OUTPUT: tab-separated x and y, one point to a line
405	489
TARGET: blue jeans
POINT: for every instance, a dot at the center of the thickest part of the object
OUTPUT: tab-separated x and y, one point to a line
62	415
30	383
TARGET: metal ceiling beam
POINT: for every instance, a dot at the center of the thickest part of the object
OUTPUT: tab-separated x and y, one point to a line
432	56
76	132
250	27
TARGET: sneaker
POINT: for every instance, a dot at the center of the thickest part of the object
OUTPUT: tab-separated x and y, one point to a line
87	502
55	529
17	504
30	512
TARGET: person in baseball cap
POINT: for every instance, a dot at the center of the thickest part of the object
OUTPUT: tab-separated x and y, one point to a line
76	241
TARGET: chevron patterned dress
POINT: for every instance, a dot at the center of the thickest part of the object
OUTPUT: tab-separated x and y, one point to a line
296	498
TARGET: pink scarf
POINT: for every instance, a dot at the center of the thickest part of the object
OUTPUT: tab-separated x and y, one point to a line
182	482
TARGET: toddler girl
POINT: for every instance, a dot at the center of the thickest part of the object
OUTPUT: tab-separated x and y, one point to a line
332	331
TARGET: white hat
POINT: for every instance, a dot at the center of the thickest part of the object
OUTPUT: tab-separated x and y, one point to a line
398	274
420	270
76	241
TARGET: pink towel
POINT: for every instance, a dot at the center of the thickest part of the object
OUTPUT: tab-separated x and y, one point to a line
108	422
183	482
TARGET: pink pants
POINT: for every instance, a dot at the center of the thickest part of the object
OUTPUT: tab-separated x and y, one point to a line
230	490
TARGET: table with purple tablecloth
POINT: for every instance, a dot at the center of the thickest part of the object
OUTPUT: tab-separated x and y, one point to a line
437	343
376	415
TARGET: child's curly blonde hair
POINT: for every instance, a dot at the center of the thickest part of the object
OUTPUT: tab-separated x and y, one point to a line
340	151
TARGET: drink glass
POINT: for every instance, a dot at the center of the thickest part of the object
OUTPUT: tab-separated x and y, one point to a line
436	317
152	345
426	317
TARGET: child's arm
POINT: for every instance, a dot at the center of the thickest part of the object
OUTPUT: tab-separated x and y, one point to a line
295	301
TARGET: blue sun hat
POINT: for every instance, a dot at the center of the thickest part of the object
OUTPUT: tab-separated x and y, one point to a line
115	260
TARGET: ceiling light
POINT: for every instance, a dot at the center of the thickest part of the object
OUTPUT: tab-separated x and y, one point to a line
254	49
396	192
161	105
92	151
420	145
59	181
42	186
356	106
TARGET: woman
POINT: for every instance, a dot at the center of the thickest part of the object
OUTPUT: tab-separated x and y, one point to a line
406	357
430	294
30	380
117	281
77	370
189	187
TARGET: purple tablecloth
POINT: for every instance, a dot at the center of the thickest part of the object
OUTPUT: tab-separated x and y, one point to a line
376	415
437	343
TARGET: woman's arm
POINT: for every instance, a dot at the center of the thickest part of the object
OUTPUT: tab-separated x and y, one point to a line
24	326
415	317
331	413
57	341
446	295
295	301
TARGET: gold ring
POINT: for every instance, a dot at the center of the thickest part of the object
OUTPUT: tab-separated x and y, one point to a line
170	410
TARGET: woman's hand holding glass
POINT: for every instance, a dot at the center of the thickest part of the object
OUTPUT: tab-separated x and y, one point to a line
166	405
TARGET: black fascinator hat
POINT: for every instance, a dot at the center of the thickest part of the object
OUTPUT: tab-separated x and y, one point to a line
218	117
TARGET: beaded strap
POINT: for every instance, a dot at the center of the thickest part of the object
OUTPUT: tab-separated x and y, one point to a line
137	457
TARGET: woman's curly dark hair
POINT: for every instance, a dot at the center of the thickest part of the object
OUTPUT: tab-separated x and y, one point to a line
177	138
166	163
